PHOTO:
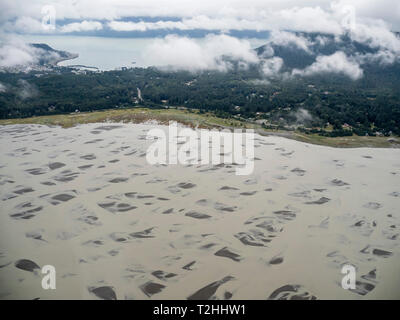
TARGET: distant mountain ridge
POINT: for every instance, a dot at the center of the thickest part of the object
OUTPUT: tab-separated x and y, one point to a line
317	44
49	56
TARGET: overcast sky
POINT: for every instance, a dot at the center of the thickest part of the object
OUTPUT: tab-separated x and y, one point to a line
92	15
370	22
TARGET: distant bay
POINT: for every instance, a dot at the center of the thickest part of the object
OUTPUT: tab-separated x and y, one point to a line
105	53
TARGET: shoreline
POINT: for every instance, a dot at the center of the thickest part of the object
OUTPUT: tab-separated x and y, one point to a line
196	120
71	56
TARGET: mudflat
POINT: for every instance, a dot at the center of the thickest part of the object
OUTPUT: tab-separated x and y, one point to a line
85	200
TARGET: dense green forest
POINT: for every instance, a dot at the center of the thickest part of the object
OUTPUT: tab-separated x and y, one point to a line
367	105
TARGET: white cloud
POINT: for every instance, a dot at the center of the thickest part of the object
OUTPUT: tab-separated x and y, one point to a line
286	39
182	53
82	26
259	82
2	88
335	63
264	22
128	26
388	10
308	19
383	57
302	15
271	67
336	18
322	40
302	116
298	19
16	53
376	35
383	10
26	90
24	24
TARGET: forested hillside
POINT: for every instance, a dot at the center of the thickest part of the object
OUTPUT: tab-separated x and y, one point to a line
365	105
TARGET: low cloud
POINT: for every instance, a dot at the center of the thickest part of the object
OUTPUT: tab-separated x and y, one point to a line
203	22
271	67
336	63
216	52
146	26
16	53
287	39
303	116
382	57
3	88
26	90
259	82
211	53
81	26
25	24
